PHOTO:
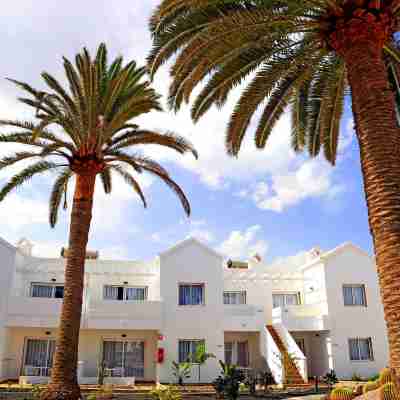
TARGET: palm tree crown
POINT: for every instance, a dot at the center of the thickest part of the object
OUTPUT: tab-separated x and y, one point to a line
93	128
288	50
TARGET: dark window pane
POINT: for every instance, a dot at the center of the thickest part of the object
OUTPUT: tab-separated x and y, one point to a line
59	292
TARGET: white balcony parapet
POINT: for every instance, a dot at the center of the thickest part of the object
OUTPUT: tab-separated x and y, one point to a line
124	314
33	312
306	317
243	317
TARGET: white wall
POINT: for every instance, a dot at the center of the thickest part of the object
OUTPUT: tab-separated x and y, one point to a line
7	265
192	263
351	266
315	284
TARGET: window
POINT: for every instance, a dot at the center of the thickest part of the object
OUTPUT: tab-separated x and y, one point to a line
39	357
354	295
285	299
361	349
235	297
191	295
237	353
47	290
123	358
125	293
187	349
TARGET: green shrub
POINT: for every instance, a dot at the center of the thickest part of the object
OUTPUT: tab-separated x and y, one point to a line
356	378
330	378
167	392
36	392
227	385
373	378
181	371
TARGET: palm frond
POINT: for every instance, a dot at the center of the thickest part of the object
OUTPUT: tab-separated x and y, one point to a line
130	180
25	175
58	191
105	176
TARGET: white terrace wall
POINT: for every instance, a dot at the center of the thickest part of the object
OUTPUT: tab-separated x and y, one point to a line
191	262
351	265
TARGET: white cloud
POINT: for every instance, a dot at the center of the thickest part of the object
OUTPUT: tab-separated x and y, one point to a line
311	179
203	235
114	253
244	244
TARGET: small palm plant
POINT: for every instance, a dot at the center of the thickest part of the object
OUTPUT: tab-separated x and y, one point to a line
200	357
181	371
94	132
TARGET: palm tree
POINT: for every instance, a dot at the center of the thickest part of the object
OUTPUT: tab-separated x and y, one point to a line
306	56
94	131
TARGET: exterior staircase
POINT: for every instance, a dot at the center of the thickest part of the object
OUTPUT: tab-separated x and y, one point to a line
291	372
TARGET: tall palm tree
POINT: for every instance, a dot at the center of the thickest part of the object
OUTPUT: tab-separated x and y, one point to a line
305	56
93	134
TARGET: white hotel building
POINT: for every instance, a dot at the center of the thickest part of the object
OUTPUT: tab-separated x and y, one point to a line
327	314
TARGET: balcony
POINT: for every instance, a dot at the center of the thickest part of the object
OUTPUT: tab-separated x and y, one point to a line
306	317
243	317
113	314
33	312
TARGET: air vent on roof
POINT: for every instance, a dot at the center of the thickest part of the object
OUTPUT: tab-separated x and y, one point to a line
90	255
237	264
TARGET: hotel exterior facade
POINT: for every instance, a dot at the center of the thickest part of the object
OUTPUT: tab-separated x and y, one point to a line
139	317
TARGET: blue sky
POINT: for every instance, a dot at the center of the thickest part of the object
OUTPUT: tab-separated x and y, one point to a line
271	202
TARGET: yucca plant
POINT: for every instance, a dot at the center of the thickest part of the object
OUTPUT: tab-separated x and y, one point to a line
94	134
302	56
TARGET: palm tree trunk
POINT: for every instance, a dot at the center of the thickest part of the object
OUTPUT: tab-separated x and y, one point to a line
64	382
379	141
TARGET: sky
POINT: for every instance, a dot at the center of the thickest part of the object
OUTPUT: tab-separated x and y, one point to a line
271	202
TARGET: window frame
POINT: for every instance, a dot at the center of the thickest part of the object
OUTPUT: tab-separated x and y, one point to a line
202	285
125	289
25	352
53	286
241	294
124	342
235	352
353	286
201	341
370	347
288	293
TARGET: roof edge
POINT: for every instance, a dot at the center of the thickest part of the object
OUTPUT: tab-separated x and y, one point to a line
187	241
334	252
8	245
